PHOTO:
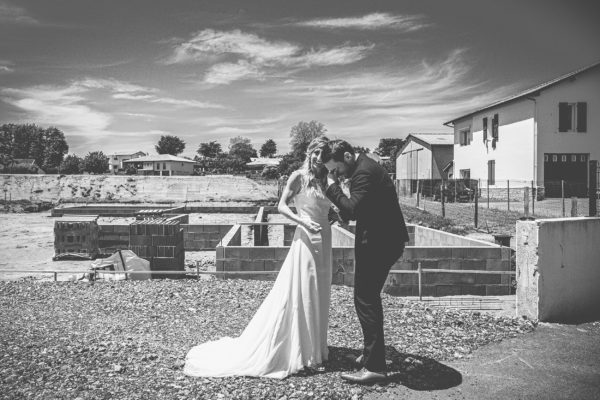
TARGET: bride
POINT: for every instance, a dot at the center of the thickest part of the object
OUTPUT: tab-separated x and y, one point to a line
289	330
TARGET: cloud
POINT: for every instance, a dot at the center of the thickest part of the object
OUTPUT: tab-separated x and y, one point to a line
6	69
231	130
374	21
151	98
11	14
237	55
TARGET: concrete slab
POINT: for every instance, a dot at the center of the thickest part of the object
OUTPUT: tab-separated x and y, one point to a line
554	362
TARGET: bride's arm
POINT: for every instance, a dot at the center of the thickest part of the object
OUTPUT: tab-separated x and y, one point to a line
292	187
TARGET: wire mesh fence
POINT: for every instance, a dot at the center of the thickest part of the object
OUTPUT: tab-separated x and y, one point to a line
481	202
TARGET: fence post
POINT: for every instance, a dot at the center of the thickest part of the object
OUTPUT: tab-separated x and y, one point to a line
55	277
533	195
420	280
508	192
488	193
526	201
197	269
562	196
476	216
418	193
594	174
573	206
442	195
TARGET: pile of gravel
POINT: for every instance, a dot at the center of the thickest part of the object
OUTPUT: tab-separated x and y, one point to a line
128	340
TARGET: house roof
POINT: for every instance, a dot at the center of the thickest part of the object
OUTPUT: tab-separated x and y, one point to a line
264	161
126	153
429	139
529	92
159	157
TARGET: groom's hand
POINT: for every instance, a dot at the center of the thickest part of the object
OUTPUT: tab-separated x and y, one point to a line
332	178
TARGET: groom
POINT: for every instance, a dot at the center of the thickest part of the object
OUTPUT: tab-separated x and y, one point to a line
379	241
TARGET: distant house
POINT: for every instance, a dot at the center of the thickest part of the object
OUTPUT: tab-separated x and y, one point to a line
539	137
116	160
162	164
259	163
424	156
22	166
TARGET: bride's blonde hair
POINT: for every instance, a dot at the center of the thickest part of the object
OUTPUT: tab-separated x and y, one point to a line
310	181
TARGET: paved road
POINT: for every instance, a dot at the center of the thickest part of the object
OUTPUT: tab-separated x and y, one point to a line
554	362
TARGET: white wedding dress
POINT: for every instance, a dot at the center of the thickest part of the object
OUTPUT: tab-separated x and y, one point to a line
289	329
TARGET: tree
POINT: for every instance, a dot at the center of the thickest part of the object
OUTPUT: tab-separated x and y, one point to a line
72	164
55	148
46	146
289	163
95	162
302	134
210	149
241	148
268	149
389	147
169	144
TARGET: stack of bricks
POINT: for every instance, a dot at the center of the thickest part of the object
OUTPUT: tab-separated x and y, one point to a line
76	235
159	241
112	238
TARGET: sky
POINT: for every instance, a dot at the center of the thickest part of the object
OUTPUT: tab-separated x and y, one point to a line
116	75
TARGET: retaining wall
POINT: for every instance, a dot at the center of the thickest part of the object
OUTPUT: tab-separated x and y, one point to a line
558	269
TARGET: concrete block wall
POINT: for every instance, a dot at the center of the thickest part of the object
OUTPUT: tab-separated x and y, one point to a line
431	237
558	269
490	257
484	258
203	237
112	238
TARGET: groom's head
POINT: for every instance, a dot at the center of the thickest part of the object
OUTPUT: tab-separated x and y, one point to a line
338	156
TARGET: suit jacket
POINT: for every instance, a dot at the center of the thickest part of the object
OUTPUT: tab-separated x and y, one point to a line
373	203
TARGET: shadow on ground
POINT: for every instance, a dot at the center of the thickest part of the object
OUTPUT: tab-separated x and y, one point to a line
413	371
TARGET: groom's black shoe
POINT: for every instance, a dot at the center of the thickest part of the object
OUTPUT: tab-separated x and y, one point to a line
365	376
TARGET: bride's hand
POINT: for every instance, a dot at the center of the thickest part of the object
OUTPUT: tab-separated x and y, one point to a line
312	226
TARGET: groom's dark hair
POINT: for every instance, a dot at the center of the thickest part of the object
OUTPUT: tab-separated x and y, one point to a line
335	150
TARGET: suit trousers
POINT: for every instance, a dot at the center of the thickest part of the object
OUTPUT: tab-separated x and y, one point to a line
371	271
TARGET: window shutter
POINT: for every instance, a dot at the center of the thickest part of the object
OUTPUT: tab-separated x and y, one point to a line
495	127
485	128
564	117
469	137
581	117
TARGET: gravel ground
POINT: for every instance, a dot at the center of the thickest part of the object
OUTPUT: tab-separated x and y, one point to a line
128	340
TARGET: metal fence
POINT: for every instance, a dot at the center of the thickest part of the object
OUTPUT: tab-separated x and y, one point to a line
481	202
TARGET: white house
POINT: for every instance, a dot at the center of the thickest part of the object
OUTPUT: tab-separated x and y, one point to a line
162	164
116	159
424	156
538	137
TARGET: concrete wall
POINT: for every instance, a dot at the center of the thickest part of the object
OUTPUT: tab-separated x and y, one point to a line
558	269
203	237
465	254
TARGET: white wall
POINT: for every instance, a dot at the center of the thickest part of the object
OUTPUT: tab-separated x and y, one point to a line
586	87
514	152
415	163
558	269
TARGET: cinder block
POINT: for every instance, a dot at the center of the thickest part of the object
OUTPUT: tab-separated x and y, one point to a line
273	265
232	265
402	291
436	252
219	265
404	279
219	252
106	228
497	265
497	290
349	279
254	265
460	252
479	265
280	253
448	278
409	253
337	278
349	265
426	290
506	279
506	253
473	290
487	279
449	264
405	265
337	253
261	253
448	290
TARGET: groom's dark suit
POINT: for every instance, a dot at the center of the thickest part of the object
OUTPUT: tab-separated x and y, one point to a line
379	241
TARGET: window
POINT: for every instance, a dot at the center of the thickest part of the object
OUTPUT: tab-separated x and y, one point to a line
495	122
465	174
573	158
554	158
572	117
492	172
583	158
485	129
563	158
464	137
164	165
546	157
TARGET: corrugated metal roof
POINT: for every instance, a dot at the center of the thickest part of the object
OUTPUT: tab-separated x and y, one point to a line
435	138
528	92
